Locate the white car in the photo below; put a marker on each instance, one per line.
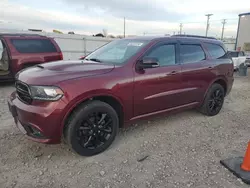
(238, 57)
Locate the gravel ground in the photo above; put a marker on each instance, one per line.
(183, 150)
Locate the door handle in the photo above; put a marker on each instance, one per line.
(172, 73)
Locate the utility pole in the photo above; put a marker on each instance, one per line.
(208, 23)
(181, 26)
(223, 28)
(124, 28)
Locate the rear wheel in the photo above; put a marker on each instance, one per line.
(213, 101)
(92, 128)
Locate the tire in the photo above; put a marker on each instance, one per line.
(93, 122)
(214, 98)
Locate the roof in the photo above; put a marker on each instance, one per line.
(20, 35)
(195, 37)
(146, 38)
(244, 14)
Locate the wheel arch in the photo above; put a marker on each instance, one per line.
(221, 80)
(113, 101)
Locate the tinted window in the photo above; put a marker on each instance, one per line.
(233, 54)
(33, 45)
(215, 50)
(1, 49)
(192, 53)
(241, 54)
(165, 54)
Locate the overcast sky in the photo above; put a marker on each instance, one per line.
(142, 16)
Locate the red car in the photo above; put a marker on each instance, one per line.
(86, 102)
(19, 51)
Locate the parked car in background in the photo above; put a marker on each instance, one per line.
(85, 102)
(238, 57)
(19, 51)
(248, 60)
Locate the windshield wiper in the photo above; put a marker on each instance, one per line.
(94, 59)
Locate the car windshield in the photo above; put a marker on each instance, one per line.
(117, 51)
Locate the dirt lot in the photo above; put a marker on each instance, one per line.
(183, 150)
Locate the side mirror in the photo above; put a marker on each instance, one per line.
(82, 58)
(147, 63)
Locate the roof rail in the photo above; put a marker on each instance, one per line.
(195, 36)
(20, 34)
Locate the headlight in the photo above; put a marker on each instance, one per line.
(47, 93)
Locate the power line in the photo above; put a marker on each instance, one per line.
(223, 28)
(181, 26)
(208, 23)
(124, 28)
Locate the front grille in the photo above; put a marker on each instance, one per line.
(23, 92)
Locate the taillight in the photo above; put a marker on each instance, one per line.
(61, 56)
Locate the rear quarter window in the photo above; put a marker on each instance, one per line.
(216, 51)
(192, 53)
(34, 45)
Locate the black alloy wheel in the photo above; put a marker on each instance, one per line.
(213, 101)
(92, 128)
(95, 130)
(216, 101)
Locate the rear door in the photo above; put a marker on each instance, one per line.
(193, 61)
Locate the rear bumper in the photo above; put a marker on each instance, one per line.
(40, 123)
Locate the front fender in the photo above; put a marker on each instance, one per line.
(85, 97)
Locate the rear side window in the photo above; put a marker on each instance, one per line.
(192, 53)
(241, 54)
(33, 45)
(234, 54)
(216, 51)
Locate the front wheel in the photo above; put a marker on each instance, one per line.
(92, 128)
(213, 101)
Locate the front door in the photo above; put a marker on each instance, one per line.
(156, 89)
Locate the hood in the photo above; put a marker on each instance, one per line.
(55, 72)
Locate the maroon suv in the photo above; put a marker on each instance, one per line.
(85, 102)
(19, 51)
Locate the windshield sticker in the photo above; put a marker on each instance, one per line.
(135, 44)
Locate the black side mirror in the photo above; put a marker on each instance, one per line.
(147, 63)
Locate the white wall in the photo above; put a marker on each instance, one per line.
(72, 46)
(75, 46)
(229, 46)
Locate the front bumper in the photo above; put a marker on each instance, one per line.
(40, 122)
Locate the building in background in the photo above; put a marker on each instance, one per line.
(243, 33)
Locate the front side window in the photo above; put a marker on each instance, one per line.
(117, 51)
(33, 45)
(216, 51)
(191, 53)
(165, 54)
